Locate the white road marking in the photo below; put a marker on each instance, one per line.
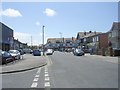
(34, 85)
(47, 84)
(38, 70)
(46, 72)
(35, 79)
(47, 78)
(46, 75)
(36, 76)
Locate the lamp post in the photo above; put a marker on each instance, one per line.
(31, 43)
(43, 40)
(60, 34)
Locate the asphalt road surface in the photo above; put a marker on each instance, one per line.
(64, 70)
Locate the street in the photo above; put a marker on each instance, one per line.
(64, 70)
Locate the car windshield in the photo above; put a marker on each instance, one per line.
(5, 53)
(78, 50)
(36, 50)
(49, 50)
(13, 52)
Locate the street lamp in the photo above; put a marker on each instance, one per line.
(60, 34)
(31, 43)
(43, 40)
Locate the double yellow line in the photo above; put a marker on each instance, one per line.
(49, 61)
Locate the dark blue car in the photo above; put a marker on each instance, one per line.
(37, 52)
(6, 57)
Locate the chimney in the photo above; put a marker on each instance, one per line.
(84, 33)
(90, 31)
(95, 32)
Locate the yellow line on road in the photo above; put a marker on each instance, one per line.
(49, 61)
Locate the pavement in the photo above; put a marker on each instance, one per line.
(106, 58)
(27, 63)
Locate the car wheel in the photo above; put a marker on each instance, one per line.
(6, 62)
(19, 57)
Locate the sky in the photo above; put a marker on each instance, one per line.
(64, 19)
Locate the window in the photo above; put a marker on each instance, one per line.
(110, 35)
(84, 39)
(114, 33)
(97, 38)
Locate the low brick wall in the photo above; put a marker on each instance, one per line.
(100, 52)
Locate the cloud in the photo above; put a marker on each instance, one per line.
(49, 12)
(10, 13)
(26, 38)
(23, 37)
(37, 23)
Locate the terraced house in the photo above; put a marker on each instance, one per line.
(58, 43)
(114, 38)
(94, 40)
(114, 35)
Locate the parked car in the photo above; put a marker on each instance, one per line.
(0, 57)
(36, 52)
(78, 52)
(68, 50)
(15, 54)
(49, 52)
(6, 57)
(21, 51)
(27, 50)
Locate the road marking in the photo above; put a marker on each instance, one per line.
(36, 76)
(46, 72)
(47, 78)
(46, 75)
(50, 61)
(34, 85)
(38, 71)
(35, 79)
(47, 84)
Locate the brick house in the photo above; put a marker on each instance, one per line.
(87, 39)
(95, 40)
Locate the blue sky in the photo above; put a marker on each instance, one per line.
(27, 18)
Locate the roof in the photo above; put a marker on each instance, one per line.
(2, 25)
(115, 26)
(87, 34)
(53, 40)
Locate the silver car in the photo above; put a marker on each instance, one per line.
(49, 52)
(78, 52)
(15, 54)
